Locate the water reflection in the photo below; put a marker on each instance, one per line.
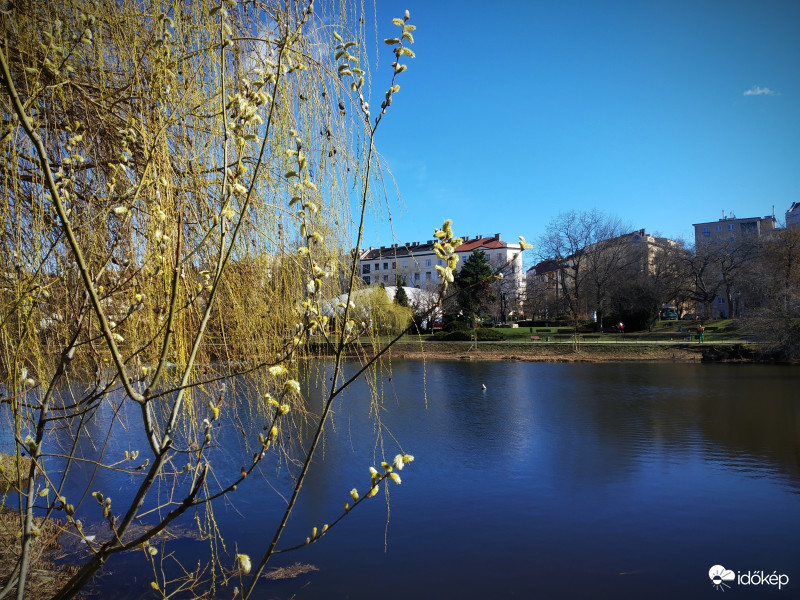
(562, 480)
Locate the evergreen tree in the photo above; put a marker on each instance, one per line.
(400, 296)
(474, 286)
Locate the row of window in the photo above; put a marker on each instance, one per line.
(366, 267)
(707, 230)
(417, 278)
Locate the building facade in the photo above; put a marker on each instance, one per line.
(732, 242)
(552, 282)
(793, 216)
(732, 230)
(415, 263)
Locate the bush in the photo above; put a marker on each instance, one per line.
(455, 325)
(489, 335)
(465, 335)
(539, 323)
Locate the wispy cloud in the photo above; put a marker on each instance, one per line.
(757, 90)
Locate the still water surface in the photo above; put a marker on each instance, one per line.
(574, 481)
(556, 481)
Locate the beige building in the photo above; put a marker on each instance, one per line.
(633, 252)
(731, 230)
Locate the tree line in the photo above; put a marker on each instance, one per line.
(595, 271)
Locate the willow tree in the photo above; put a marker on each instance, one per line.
(176, 178)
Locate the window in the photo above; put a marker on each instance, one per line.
(366, 279)
(428, 262)
(721, 300)
(385, 266)
(440, 262)
(405, 264)
(706, 231)
(377, 266)
(394, 265)
(731, 227)
(386, 278)
(416, 276)
(365, 269)
(427, 276)
(717, 227)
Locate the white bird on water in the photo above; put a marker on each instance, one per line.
(483, 385)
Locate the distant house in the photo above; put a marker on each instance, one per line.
(793, 215)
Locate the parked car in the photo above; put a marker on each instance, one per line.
(691, 317)
(668, 314)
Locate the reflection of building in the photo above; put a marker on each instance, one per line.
(416, 263)
(730, 229)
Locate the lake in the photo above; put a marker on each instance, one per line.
(555, 481)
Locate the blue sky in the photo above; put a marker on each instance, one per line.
(515, 111)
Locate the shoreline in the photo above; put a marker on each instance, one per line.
(583, 352)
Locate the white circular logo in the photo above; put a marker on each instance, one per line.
(719, 575)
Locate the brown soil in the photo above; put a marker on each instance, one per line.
(12, 474)
(533, 352)
(44, 578)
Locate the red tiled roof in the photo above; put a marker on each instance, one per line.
(486, 242)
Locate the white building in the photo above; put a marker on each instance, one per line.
(415, 262)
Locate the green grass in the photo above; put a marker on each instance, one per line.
(716, 330)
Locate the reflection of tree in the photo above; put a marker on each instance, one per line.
(617, 418)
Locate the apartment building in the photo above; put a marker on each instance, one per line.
(729, 229)
(630, 253)
(415, 262)
(729, 236)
